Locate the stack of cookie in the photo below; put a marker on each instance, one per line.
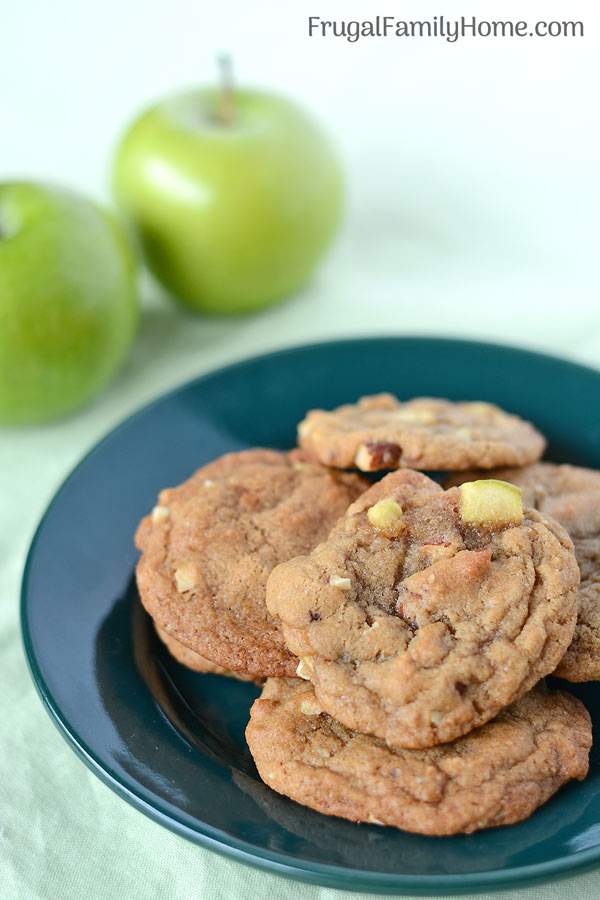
(404, 630)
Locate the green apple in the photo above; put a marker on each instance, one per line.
(234, 203)
(68, 302)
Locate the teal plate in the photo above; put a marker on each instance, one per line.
(171, 742)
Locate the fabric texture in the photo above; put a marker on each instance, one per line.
(63, 834)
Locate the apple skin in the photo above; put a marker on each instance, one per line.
(68, 301)
(230, 217)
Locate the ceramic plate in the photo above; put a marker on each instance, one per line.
(171, 742)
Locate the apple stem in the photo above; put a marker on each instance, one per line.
(226, 105)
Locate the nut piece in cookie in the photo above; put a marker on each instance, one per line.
(497, 775)
(380, 432)
(376, 455)
(490, 503)
(571, 495)
(209, 545)
(443, 624)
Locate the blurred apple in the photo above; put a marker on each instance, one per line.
(68, 303)
(235, 195)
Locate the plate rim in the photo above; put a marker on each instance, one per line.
(325, 874)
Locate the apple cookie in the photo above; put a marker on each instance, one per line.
(210, 544)
(195, 661)
(425, 612)
(380, 432)
(497, 775)
(570, 495)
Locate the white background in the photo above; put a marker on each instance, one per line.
(472, 167)
(474, 198)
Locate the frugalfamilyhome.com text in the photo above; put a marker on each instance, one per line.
(451, 30)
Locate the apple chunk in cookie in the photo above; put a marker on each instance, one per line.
(571, 495)
(444, 622)
(380, 432)
(490, 503)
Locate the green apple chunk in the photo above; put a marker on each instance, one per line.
(386, 516)
(232, 214)
(491, 503)
(68, 301)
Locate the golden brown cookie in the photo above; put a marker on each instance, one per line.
(571, 495)
(210, 544)
(496, 775)
(418, 627)
(380, 432)
(193, 660)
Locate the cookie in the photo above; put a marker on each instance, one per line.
(418, 626)
(380, 432)
(363, 846)
(570, 495)
(210, 544)
(194, 661)
(496, 775)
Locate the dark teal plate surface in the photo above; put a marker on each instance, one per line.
(170, 741)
